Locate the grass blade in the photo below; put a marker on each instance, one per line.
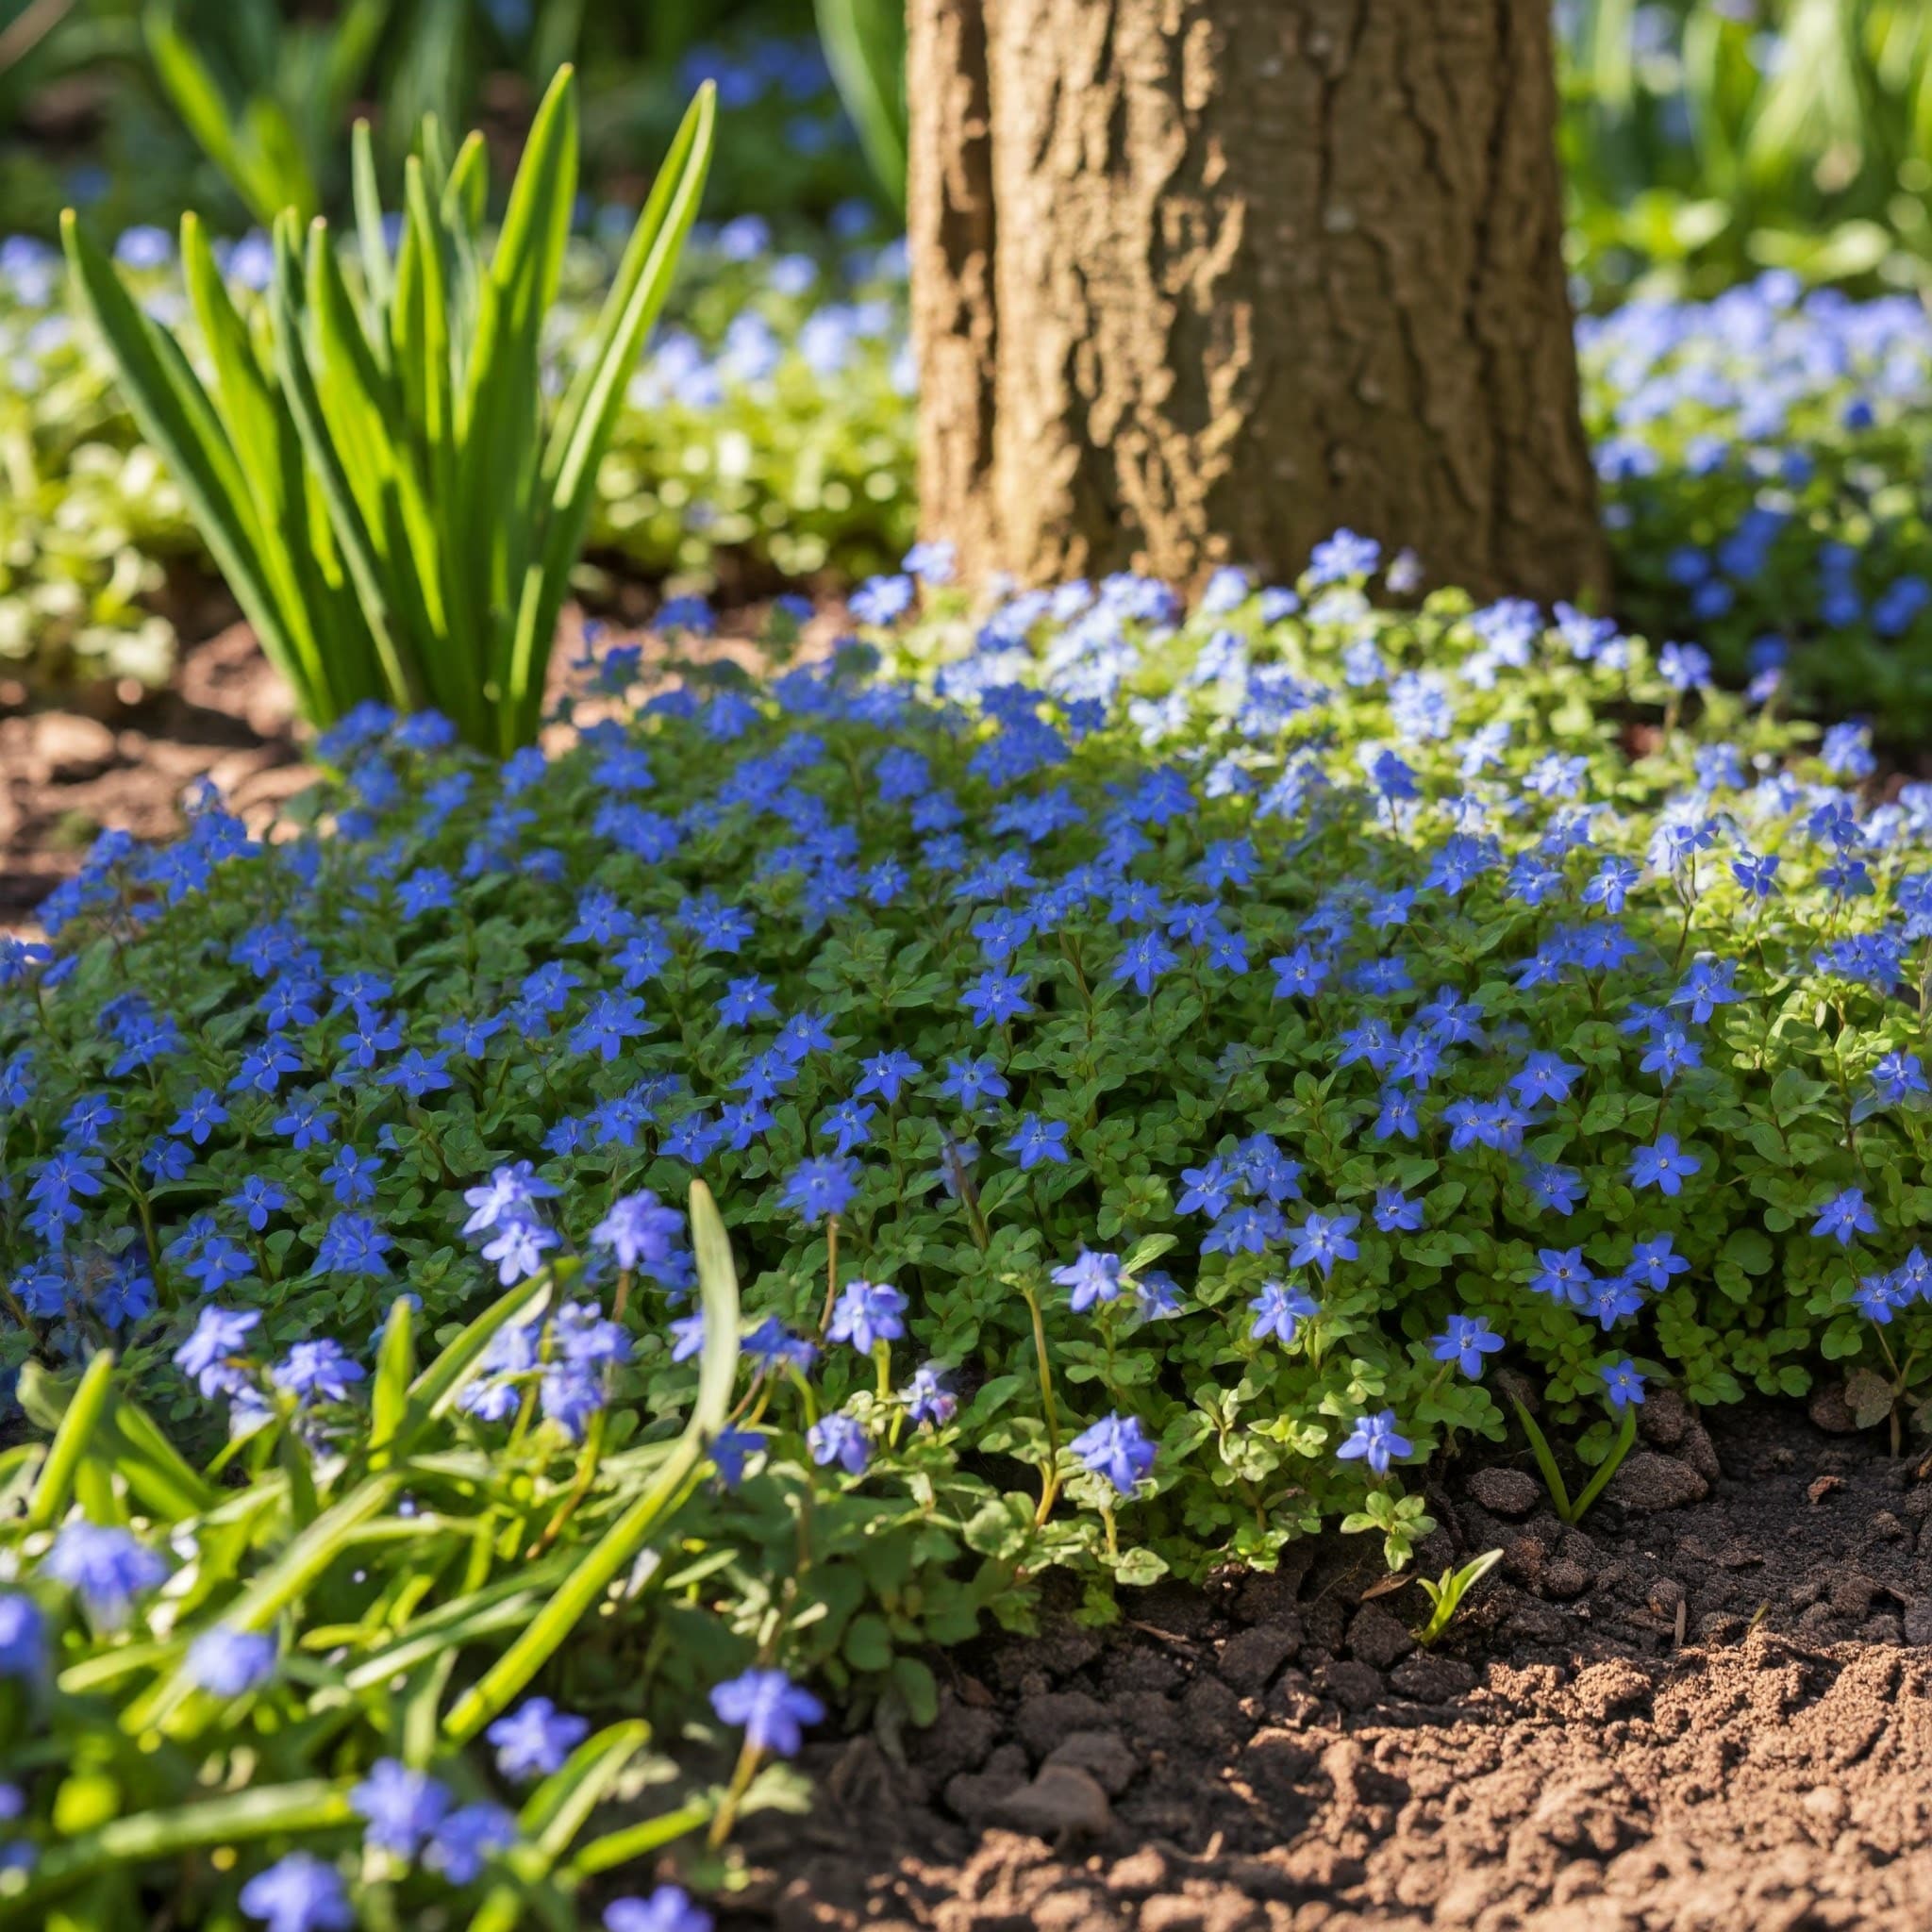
(396, 1367)
(583, 428)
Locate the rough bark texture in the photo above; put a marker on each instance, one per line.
(949, 208)
(1258, 269)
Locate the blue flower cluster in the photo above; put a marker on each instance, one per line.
(1346, 956)
(1758, 455)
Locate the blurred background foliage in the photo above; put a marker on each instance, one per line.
(1704, 141)
(1750, 189)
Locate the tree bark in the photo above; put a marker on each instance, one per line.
(1199, 281)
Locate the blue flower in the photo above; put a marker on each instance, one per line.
(461, 1844)
(1653, 1261)
(1090, 1277)
(770, 1708)
(201, 1117)
(205, 1357)
(645, 1235)
(972, 1081)
(1844, 1218)
(1035, 1140)
(352, 1175)
(299, 1893)
(1341, 556)
(105, 1568)
(1143, 960)
(23, 1637)
(1396, 1212)
(1465, 1342)
(1323, 1239)
(518, 1245)
(928, 1401)
(535, 1739)
(256, 1200)
(232, 1662)
(315, 1372)
(1623, 1385)
(867, 1313)
(1279, 1310)
(667, 1909)
(839, 1438)
(816, 1189)
(731, 1451)
(996, 997)
(1376, 1442)
(352, 1244)
(400, 1808)
(1116, 1447)
(1897, 1075)
(1662, 1166)
(886, 1075)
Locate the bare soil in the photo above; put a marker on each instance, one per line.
(71, 770)
(1707, 1708)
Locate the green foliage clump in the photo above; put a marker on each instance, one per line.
(1345, 963)
(377, 482)
(1167, 1076)
(1704, 141)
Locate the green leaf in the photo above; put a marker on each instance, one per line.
(267, 1811)
(365, 562)
(395, 1366)
(582, 431)
(176, 418)
(72, 1443)
(864, 41)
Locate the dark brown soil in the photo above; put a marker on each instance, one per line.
(1708, 1708)
(70, 771)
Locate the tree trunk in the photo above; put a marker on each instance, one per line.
(1199, 281)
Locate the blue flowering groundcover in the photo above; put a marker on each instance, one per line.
(1164, 1073)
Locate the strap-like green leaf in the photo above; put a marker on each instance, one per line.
(269, 453)
(437, 1388)
(582, 432)
(351, 531)
(864, 41)
(72, 1441)
(177, 421)
(267, 1811)
(395, 1368)
(555, 1812)
(378, 276)
(272, 1591)
(499, 424)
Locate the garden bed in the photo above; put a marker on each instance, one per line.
(68, 771)
(1712, 1714)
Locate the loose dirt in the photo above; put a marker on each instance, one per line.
(1707, 1708)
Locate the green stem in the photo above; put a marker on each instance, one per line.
(1050, 1482)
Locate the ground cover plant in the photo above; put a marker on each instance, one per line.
(1167, 1075)
(1705, 140)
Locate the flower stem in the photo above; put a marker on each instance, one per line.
(1050, 1482)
